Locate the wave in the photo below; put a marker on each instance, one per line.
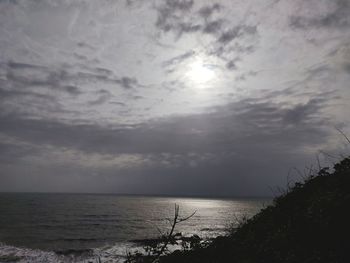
(112, 254)
(23, 255)
(78, 239)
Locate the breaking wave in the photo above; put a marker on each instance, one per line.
(111, 254)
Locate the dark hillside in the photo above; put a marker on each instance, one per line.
(309, 223)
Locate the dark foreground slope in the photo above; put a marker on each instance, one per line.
(309, 223)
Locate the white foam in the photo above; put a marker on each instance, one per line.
(27, 255)
(113, 254)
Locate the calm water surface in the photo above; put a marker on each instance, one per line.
(58, 222)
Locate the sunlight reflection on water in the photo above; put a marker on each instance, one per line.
(68, 221)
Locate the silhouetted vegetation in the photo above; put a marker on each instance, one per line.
(309, 222)
(156, 248)
(9, 258)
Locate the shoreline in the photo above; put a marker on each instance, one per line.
(115, 253)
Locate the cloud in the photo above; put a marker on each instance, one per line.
(347, 67)
(177, 16)
(236, 32)
(302, 113)
(11, 149)
(73, 90)
(212, 27)
(128, 83)
(178, 59)
(200, 133)
(16, 65)
(229, 40)
(207, 11)
(340, 56)
(74, 103)
(336, 17)
(104, 96)
(21, 78)
(41, 91)
(22, 75)
(219, 145)
(171, 17)
(122, 104)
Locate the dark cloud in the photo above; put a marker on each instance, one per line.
(15, 65)
(229, 35)
(213, 27)
(227, 44)
(182, 5)
(337, 17)
(215, 146)
(347, 67)
(200, 133)
(21, 75)
(232, 64)
(104, 96)
(73, 90)
(207, 11)
(104, 71)
(36, 89)
(128, 83)
(85, 45)
(10, 152)
(171, 17)
(26, 101)
(178, 59)
(179, 18)
(105, 76)
(236, 32)
(303, 112)
(122, 104)
(13, 93)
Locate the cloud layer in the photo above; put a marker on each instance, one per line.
(100, 96)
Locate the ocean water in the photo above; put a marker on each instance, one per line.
(81, 227)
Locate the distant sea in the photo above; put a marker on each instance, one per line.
(80, 227)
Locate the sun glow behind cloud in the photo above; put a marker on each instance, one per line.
(106, 83)
(200, 73)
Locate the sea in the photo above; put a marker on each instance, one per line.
(38, 227)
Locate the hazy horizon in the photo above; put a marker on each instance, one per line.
(213, 197)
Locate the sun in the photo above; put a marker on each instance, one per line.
(199, 72)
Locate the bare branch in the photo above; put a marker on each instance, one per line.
(186, 218)
(343, 134)
(318, 161)
(160, 248)
(169, 237)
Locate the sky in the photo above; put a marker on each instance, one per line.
(175, 97)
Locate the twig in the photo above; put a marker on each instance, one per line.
(176, 221)
(344, 135)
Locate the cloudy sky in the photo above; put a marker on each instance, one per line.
(171, 96)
